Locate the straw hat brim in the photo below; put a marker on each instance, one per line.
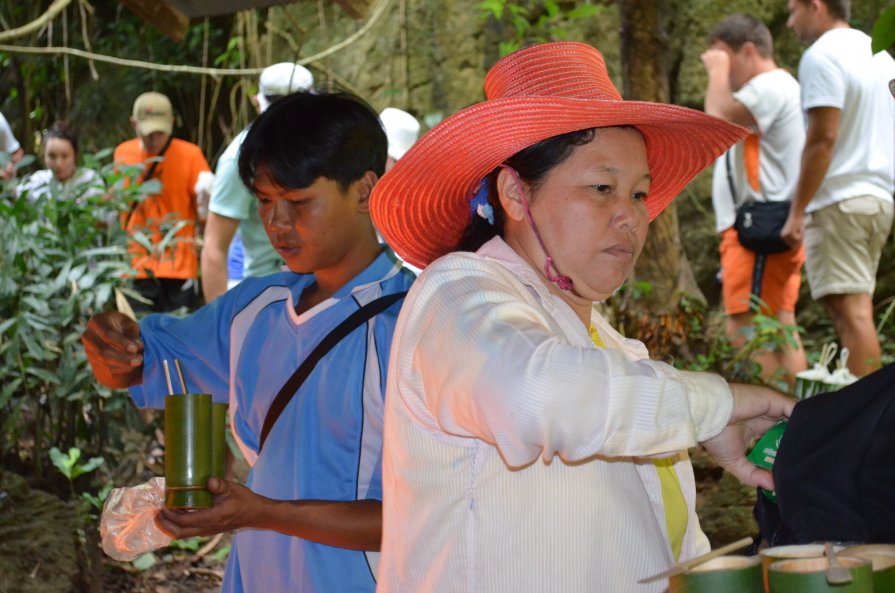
(421, 206)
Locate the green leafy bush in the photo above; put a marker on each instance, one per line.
(61, 261)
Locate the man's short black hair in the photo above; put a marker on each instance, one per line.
(304, 136)
(738, 29)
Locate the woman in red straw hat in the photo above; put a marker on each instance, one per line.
(528, 445)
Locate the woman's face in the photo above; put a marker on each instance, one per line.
(59, 156)
(591, 213)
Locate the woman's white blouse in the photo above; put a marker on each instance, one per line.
(512, 443)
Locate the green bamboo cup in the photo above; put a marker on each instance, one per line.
(808, 575)
(218, 440)
(771, 555)
(882, 559)
(188, 457)
(727, 574)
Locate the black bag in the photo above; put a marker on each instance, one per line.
(834, 471)
(758, 224)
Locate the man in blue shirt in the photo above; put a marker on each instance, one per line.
(310, 517)
(233, 227)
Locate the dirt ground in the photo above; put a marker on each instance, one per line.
(177, 571)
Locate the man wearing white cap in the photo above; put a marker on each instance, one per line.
(232, 207)
(167, 278)
(402, 130)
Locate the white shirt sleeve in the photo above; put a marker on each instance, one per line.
(822, 82)
(8, 142)
(763, 103)
(494, 365)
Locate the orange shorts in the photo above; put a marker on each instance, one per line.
(780, 281)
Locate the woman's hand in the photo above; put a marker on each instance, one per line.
(755, 410)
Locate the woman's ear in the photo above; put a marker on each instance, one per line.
(510, 199)
(364, 187)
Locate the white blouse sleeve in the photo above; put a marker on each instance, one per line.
(484, 359)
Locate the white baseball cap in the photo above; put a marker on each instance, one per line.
(401, 129)
(282, 79)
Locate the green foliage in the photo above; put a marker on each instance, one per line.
(885, 327)
(36, 90)
(97, 501)
(190, 544)
(883, 34)
(61, 261)
(765, 333)
(68, 465)
(535, 21)
(145, 562)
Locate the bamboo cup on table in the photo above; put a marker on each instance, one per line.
(727, 574)
(882, 560)
(809, 575)
(773, 554)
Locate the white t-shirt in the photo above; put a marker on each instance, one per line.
(83, 184)
(8, 142)
(839, 70)
(773, 100)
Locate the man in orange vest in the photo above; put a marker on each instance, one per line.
(166, 271)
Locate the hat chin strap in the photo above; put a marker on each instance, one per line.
(550, 269)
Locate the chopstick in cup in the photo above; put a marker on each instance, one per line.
(168, 377)
(688, 564)
(180, 374)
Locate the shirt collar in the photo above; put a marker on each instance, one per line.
(383, 267)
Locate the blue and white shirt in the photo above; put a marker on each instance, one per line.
(327, 444)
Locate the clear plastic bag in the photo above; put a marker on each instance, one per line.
(127, 526)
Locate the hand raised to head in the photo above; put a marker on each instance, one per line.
(715, 61)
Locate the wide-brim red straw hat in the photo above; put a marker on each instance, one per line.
(422, 206)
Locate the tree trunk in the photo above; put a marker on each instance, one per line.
(663, 263)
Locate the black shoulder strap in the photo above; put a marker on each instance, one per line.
(147, 175)
(290, 388)
(727, 164)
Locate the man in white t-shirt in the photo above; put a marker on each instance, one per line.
(10, 150)
(843, 204)
(232, 206)
(746, 87)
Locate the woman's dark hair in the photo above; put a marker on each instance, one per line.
(61, 130)
(533, 164)
(303, 136)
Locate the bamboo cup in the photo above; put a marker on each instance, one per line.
(808, 575)
(882, 560)
(218, 440)
(188, 450)
(727, 574)
(771, 555)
